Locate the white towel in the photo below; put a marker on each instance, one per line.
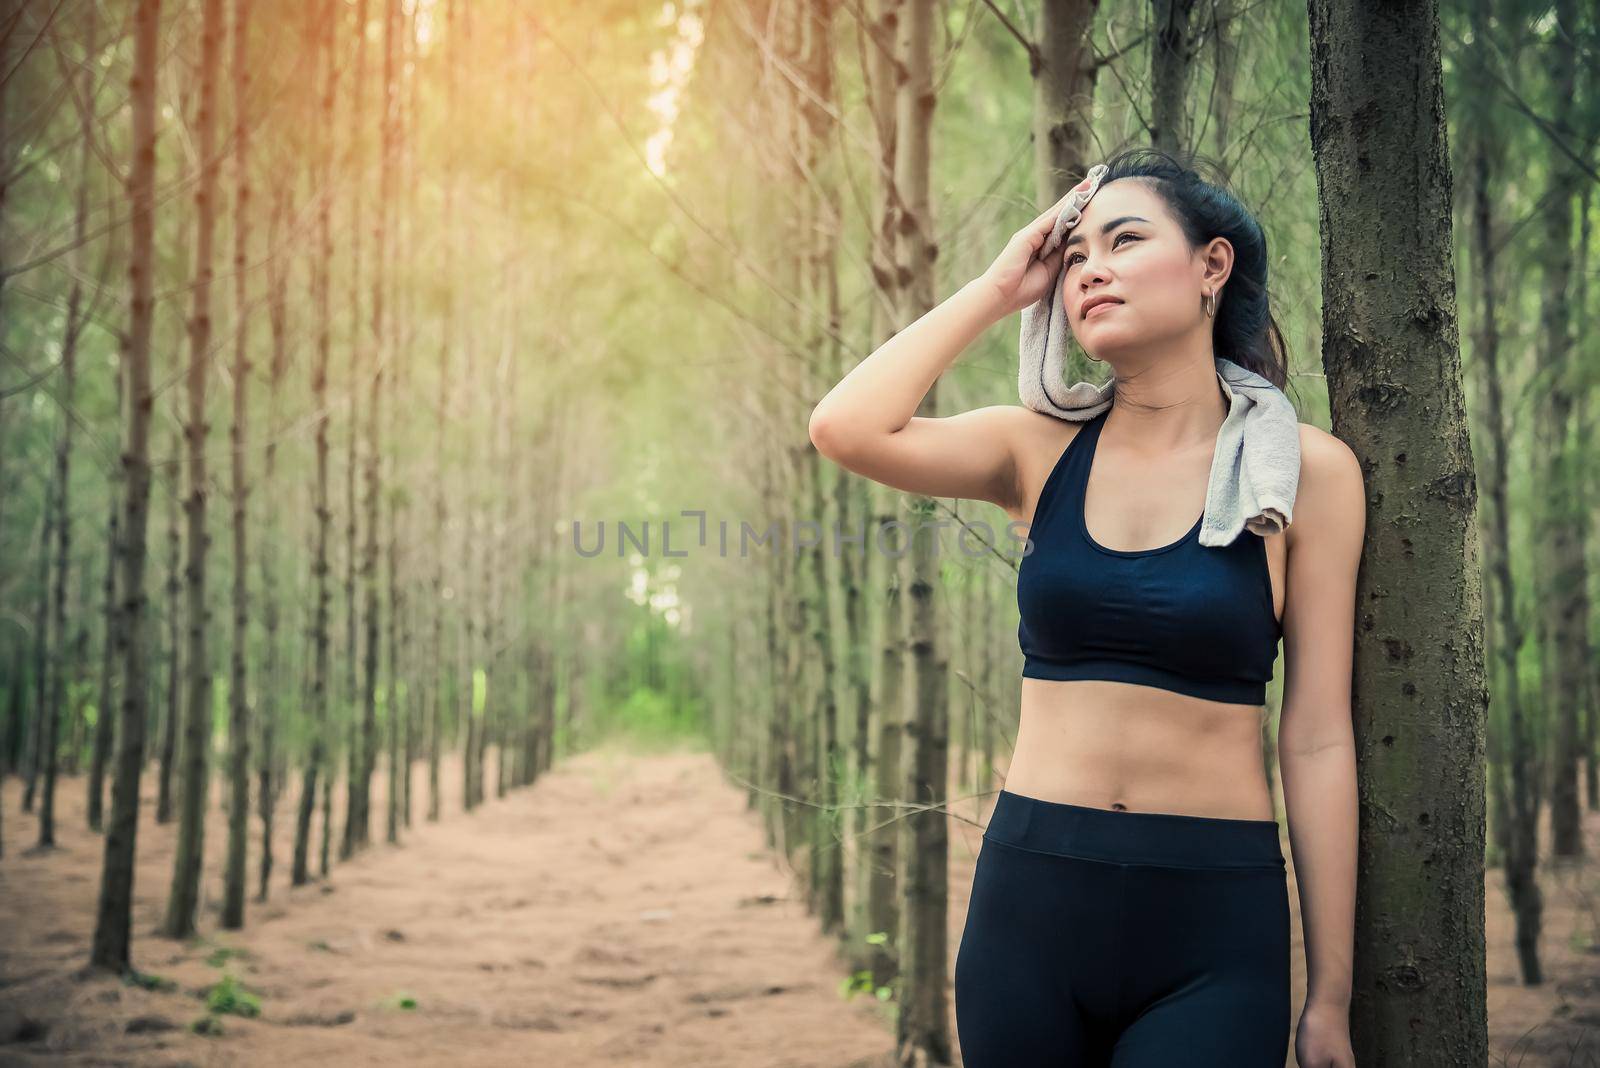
(1256, 468)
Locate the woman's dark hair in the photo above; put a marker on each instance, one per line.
(1245, 331)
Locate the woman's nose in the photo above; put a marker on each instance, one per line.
(1090, 273)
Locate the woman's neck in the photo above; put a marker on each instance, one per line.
(1169, 406)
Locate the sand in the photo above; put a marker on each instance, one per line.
(623, 910)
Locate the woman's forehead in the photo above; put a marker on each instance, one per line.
(1123, 197)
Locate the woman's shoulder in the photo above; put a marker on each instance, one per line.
(1324, 456)
(1331, 491)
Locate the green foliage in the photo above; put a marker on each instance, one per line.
(223, 954)
(653, 720)
(857, 982)
(401, 1000)
(149, 981)
(229, 995)
(860, 981)
(208, 1025)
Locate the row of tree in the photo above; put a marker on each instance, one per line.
(373, 403)
(880, 662)
(468, 240)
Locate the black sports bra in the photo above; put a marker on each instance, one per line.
(1191, 618)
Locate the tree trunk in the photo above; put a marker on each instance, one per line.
(411, 132)
(13, 709)
(395, 703)
(923, 1021)
(883, 903)
(234, 871)
(1566, 599)
(174, 603)
(317, 762)
(879, 763)
(111, 651)
(1064, 71)
(69, 377)
(1225, 37)
(358, 118)
(1172, 53)
(489, 588)
(447, 333)
(1580, 305)
(364, 742)
(1418, 990)
(113, 918)
(1518, 816)
(267, 784)
(184, 900)
(62, 526)
(43, 706)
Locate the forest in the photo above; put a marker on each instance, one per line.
(428, 632)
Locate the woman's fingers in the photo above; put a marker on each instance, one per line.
(1033, 236)
(1047, 221)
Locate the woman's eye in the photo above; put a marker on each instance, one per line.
(1119, 237)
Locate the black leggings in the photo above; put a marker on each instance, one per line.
(1124, 939)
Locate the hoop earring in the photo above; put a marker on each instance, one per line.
(1210, 304)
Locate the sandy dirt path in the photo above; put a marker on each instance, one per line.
(622, 911)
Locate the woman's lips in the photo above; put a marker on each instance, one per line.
(1100, 307)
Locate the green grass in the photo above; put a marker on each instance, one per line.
(223, 954)
(229, 995)
(649, 721)
(402, 1000)
(149, 981)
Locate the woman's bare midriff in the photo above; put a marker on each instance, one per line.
(1115, 745)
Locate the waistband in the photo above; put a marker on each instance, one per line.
(1168, 839)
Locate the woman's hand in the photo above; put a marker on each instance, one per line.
(1016, 275)
(1323, 1038)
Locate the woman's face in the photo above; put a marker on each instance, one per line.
(1128, 247)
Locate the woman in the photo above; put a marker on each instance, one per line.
(1130, 904)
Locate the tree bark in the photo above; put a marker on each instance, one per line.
(62, 526)
(1393, 370)
(1172, 53)
(69, 375)
(317, 762)
(267, 784)
(923, 1032)
(1517, 815)
(43, 706)
(1566, 597)
(234, 869)
(174, 603)
(1064, 71)
(184, 899)
(353, 773)
(113, 918)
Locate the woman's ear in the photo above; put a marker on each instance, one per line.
(1218, 261)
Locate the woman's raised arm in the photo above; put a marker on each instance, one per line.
(868, 422)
